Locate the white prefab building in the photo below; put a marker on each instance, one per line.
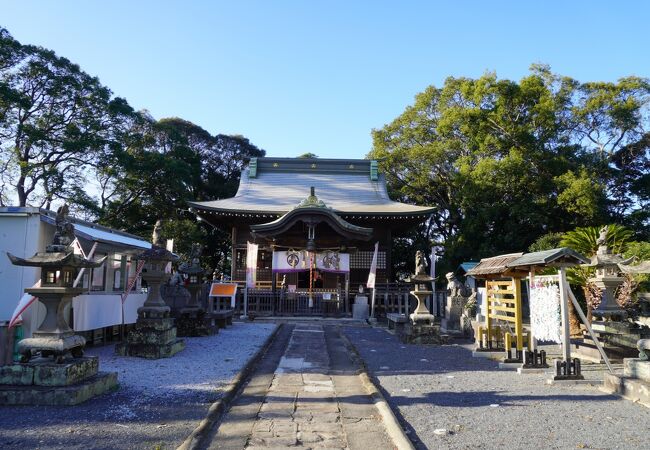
(26, 230)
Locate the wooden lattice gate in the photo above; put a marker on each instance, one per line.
(504, 304)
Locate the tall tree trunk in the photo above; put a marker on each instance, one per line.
(20, 189)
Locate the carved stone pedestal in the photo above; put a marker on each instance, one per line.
(44, 382)
(422, 333)
(153, 337)
(195, 322)
(191, 318)
(453, 323)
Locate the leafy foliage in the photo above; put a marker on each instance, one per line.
(546, 242)
(505, 162)
(63, 136)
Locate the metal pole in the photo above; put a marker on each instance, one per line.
(372, 303)
(564, 309)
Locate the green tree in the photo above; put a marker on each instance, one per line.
(159, 166)
(54, 119)
(546, 242)
(504, 162)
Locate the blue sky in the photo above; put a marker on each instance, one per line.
(316, 76)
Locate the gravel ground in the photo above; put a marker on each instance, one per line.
(158, 404)
(450, 400)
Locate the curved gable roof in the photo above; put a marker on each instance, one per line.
(279, 184)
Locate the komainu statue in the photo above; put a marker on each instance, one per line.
(455, 288)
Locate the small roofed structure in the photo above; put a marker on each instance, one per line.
(560, 258)
(462, 270)
(504, 297)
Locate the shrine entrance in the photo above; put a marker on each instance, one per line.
(310, 263)
(325, 216)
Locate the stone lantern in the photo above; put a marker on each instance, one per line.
(154, 334)
(59, 267)
(194, 320)
(53, 370)
(422, 328)
(607, 278)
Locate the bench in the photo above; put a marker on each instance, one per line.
(396, 320)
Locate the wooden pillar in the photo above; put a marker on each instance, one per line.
(531, 280)
(564, 310)
(489, 299)
(233, 256)
(519, 329)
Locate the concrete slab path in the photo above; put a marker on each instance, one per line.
(305, 393)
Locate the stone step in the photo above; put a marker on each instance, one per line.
(637, 368)
(629, 388)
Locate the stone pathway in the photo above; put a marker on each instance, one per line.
(314, 399)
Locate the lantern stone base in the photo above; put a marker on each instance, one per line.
(634, 384)
(152, 338)
(421, 333)
(618, 339)
(195, 322)
(59, 345)
(44, 382)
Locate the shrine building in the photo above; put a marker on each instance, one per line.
(316, 222)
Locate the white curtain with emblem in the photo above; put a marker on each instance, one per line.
(298, 261)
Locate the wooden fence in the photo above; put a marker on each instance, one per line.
(389, 298)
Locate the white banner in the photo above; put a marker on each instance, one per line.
(545, 320)
(93, 311)
(170, 248)
(251, 264)
(373, 269)
(434, 258)
(298, 261)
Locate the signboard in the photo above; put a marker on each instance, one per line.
(224, 290)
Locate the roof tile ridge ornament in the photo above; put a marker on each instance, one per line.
(312, 201)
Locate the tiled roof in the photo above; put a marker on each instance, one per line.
(344, 185)
(546, 257)
(493, 266)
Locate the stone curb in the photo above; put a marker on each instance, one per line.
(195, 440)
(393, 428)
